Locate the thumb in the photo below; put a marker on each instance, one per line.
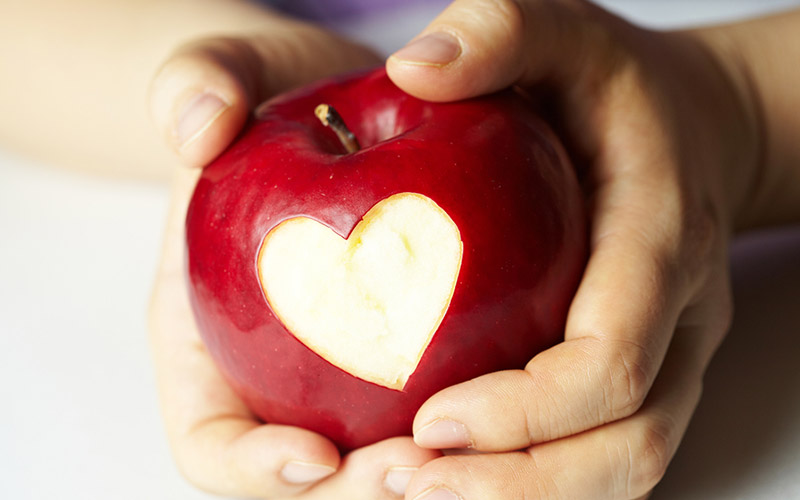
(201, 97)
(479, 46)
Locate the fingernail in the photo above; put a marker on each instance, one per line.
(397, 479)
(443, 433)
(297, 472)
(434, 49)
(196, 116)
(437, 494)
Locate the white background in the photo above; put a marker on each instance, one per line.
(79, 417)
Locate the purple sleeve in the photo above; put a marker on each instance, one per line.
(332, 10)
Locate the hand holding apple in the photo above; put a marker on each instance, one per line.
(668, 140)
(217, 442)
(339, 288)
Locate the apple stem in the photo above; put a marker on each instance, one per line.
(331, 118)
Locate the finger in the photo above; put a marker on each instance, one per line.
(479, 46)
(202, 95)
(621, 460)
(376, 472)
(233, 455)
(217, 443)
(652, 243)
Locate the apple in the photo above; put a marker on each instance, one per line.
(344, 267)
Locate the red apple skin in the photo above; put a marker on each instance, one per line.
(490, 163)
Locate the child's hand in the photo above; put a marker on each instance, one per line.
(665, 135)
(200, 100)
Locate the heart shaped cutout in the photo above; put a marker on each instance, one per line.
(369, 304)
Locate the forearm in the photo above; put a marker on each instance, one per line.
(764, 55)
(76, 74)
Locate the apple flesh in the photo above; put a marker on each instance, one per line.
(338, 290)
(369, 304)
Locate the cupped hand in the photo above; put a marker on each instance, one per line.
(663, 130)
(200, 99)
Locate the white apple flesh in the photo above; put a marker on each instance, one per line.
(370, 303)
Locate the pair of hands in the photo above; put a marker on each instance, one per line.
(664, 130)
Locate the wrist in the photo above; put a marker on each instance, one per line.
(760, 58)
(742, 160)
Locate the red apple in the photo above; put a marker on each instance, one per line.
(338, 290)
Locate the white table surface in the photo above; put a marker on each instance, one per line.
(79, 416)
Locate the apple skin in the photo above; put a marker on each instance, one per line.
(491, 163)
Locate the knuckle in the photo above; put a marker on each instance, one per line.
(649, 453)
(537, 419)
(701, 234)
(629, 378)
(505, 16)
